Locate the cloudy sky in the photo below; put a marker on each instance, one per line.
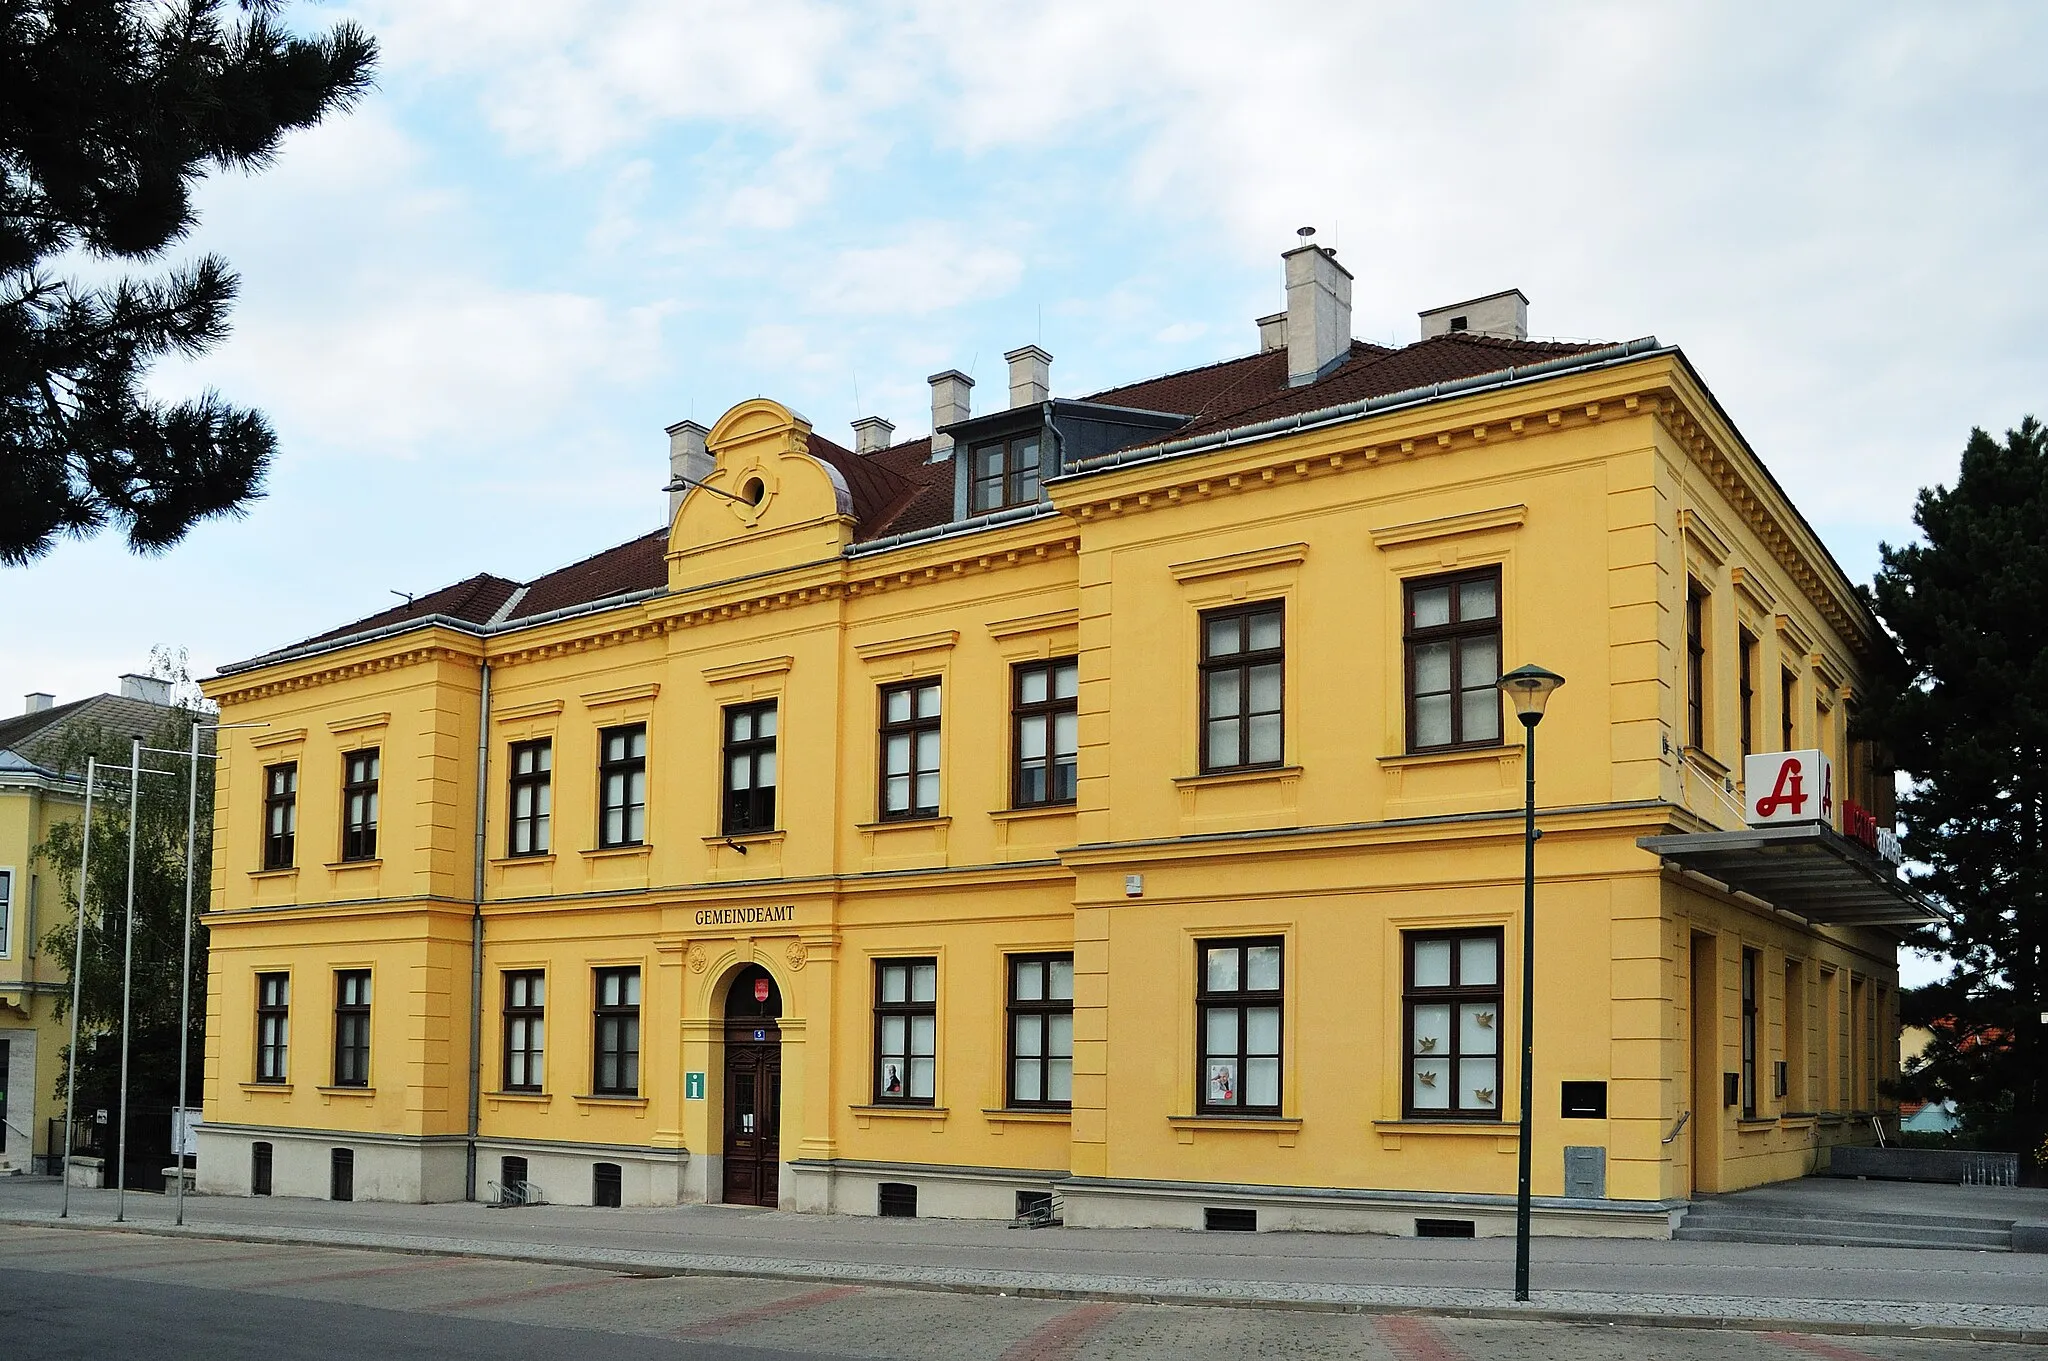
(471, 306)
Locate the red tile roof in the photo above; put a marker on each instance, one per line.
(896, 490)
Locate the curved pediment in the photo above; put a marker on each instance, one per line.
(767, 502)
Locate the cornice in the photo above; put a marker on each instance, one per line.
(420, 654)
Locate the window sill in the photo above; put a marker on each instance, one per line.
(592, 1101)
(362, 1093)
(1258, 775)
(1755, 1124)
(276, 1088)
(1694, 756)
(540, 1099)
(1493, 751)
(281, 872)
(1285, 1129)
(544, 858)
(616, 852)
(745, 838)
(935, 1116)
(903, 824)
(1491, 1128)
(367, 863)
(1036, 810)
(1026, 1115)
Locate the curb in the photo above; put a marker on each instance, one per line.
(837, 1273)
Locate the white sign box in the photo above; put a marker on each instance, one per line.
(1788, 786)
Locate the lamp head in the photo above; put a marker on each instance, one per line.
(1529, 687)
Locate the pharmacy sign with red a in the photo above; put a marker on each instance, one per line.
(1788, 786)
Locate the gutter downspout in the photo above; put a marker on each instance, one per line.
(476, 933)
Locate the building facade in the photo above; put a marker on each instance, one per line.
(1104, 801)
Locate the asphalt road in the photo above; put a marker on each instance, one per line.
(100, 1294)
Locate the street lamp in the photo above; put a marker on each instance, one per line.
(1529, 688)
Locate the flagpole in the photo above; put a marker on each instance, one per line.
(127, 973)
(185, 974)
(77, 971)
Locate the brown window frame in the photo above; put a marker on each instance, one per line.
(360, 771)
(1038, 1015)
(1456, 994)
(751, 809)
(1751, 959)
(525, 1030)
(1049, 767)
(1788, 709)
(619, 779)
(1695, 665)
(615, 1031)
(273, 1026)
(920, 732)
(1243, 662)
(1243, 999)
(1745, 685)
(1459, 632)
(280, 815)
(907, 1009)
(533, 783)
(352, 998)
(1015, 480)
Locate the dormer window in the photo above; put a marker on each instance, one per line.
(1004, 473)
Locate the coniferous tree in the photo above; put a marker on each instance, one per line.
(1966, 715)
(110, 112)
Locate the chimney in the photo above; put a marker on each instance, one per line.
(871, 434)
(39, 703)
(148, 689)
(1318, 314)
(952, 393)
(1272, 333)
(688, 461)
(1497, 314)
(1030, 376)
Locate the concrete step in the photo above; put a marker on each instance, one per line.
(1718, 1216)
(1791, 1235)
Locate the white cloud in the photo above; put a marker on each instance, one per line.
(930, 267)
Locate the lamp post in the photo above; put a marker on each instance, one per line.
(1529, 689)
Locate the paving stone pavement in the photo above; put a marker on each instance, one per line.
(1929, 1295)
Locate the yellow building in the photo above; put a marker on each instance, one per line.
(1105, 799)
(36, 794)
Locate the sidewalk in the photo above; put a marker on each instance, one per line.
(1987, 1296)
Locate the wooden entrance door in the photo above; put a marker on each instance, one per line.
(753, 1089)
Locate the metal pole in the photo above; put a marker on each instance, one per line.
(1529, 722)
(185, 973)
(77, 972)
(127, 969)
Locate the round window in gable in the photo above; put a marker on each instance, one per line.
(752, 490)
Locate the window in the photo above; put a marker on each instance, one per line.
(1749, 1034)
(259, 1169)
(1237, 1002)
(622, 786)
(1241, 687)
(1043, 740)
(910, 750)
(906, 1031)
(352, 1028)
(532, 797)
(1788, 702)
(1453, 1004)
(1796, 1093)
(749, 768)
(525, 1030)
(1004, 473)
(617, 1067)
(6, 911)
(281, 815)
(359, 805)
(1746, 687)
(1452, 634)
(273, 1026)
(1695, 666)
(607, 1185)
(1041, 1030)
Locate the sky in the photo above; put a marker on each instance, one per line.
(471, 305)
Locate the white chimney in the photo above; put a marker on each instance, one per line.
(1030, 376)
(39, 703)
(148, 689)
(1318, 314)
(952, 394)
(871, 434)
(1272, 333)
(688, 462)
(1497, 314)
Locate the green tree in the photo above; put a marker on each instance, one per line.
(154, 1031)
(1966, 715)
(110, 112)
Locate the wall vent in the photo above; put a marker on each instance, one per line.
(1445, 1228)
(1218, 1219)
(896, 1200)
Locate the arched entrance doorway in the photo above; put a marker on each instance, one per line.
(753, 1089)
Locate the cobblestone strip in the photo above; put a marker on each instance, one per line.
(1060, 1338)
(1818, 1346)
(362, 1273)
(741, 1318)
(539, 1292)
(1416, 1339)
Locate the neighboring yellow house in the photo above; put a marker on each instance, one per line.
(35, 796)
(1104, 799)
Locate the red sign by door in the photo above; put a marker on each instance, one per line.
(760, 990)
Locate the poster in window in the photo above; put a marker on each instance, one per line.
(1222, 1083)
(892, 1080)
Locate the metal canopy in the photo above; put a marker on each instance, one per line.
(1808, 869)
